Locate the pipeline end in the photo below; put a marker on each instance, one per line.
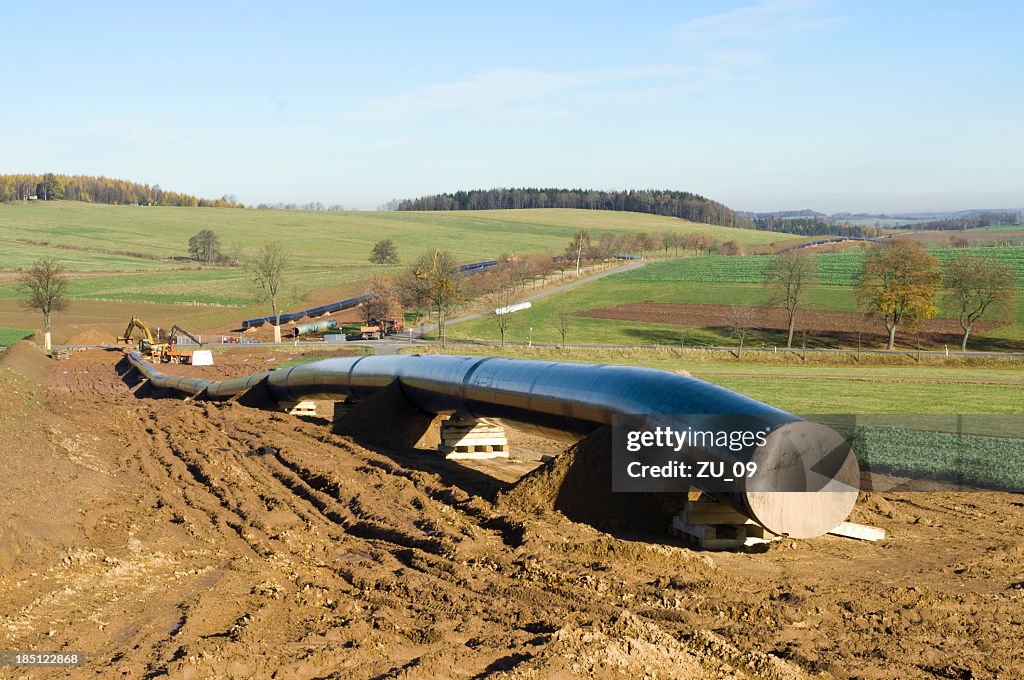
(807, 483)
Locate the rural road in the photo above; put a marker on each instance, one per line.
(561, 288)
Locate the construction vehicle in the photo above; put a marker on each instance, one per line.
(370, 331)
(147, 344)
(171, 354)
(374, 329)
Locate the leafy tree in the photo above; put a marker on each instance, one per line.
(51, 188)
(268, 274)
(899, 281)
(45, 287)
(384, 252)
(976, 286)
(205, 247)
(787, 277)
(433, 280)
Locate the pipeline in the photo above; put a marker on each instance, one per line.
(570, 401)
(468, 268)
(313, 327)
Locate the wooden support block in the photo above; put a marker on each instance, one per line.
(298, 408)
(861, 532)
(473, 440)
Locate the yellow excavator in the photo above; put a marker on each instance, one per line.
(147, 344)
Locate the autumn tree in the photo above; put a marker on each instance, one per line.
(787, 277)
(205, 247)
(899, 282)
(45, 287)
(976, 286)
(268, 276)
(730, 248)
(384, 252)
(381, 300)
(433, 280)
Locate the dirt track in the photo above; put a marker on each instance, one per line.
(201, 540)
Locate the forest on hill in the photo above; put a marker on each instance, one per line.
(90, 189)
(681, 204)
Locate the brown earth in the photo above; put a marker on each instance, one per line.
(203, 540)
(826, 327)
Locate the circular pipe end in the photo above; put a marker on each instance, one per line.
(807, 480)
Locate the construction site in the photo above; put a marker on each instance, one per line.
(169, 519)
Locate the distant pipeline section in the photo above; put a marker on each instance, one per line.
(570, 401)
(289, 317)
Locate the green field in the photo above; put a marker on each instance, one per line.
(336, 238)
(9, 336)
(834, 269)
(705, 280)
(329, 250)
(825, 389)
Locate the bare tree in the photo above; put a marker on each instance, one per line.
(562, 323)
(45, 287)
(499, 301)
(267, 274)
(787, 277)
(976, 286)
(579, 245)
(741, 318)
(433, 280)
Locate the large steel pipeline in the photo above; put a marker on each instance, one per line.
(571, 400)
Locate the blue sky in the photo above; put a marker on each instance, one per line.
(779, 104)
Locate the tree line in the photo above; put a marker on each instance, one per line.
(989, 218)
(682, 204)
(90, 189)
(813, 226)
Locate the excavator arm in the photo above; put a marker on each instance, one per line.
(177, 330)
(136, 322)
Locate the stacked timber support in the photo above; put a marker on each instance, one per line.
(711, 525)
(462, 439)
(298, 408)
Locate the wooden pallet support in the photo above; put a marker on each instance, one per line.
(711, 525)
(298, 408)
(472, 439)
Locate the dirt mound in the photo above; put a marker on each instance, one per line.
(578, 484)
(92, 335)
(197, 539)
(26, 359)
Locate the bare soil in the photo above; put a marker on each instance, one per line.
(205, 540)
(827, 327)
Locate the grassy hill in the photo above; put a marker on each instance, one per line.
(329, 249)
(337, 237)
